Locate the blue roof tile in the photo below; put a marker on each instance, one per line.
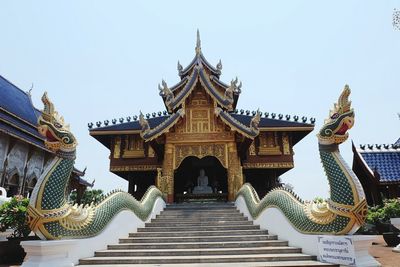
(387, 164)
(17, 102)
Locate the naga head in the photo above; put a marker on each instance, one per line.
(340, 120)
(52, 127)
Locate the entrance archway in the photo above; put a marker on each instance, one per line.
(185, 177)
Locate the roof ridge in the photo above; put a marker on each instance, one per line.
(378, 148)
(129, 119)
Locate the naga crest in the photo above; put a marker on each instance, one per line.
(341, 119)
(52, 127)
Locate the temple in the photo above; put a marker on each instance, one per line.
(201, 129)
(378, 167)
(23, 155)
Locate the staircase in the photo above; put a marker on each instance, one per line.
(201, 234)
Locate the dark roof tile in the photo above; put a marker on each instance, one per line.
(386, 163)
(267, 122)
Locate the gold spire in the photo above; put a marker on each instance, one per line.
(198, 43)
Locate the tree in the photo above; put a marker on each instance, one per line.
(89, 196)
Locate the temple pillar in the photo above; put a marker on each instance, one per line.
(167, 179)
(235, 175)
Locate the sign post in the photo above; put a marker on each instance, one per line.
(337, 249)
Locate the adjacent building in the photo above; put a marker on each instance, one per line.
(378, 168)
(23, 155)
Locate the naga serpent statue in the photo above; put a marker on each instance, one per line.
(345, 211)
(50, 215)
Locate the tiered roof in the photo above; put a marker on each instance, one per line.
(200, 71)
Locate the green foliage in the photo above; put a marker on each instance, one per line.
(318, 200)
(13, 215)
(383, 213)
(89, 196)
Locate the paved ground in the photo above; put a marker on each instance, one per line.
(384, 254)
(380, 251)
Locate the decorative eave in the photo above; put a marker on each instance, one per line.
(226, 100)
(397, 142)
(250, 131)
(149, 134)
(172, 102)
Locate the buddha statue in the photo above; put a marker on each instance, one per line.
(202, 184)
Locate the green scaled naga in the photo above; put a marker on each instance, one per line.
(50, 215)
(345, 211)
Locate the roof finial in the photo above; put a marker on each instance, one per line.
(198, 43)
(30, 90)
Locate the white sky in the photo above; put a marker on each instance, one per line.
(103, 59)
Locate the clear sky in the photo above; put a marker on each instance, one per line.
(100, 60)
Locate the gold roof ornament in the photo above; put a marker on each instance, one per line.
(144, 124)
(198, 43)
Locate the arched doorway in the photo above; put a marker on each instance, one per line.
(13, 185)
(185, 178)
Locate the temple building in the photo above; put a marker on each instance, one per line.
(23, 155)
(378, 168)
(202, 146)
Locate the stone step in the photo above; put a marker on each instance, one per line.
(198, 213)
(199, 228)
(204, 209)
(199, 245)
(191, 224)
(197, 206)
(197, 259)
(195, 215)
(197, 239)
(199, 233)
(196, 252)
(202, 219)
(231, 264)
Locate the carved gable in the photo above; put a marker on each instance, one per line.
(200, 121)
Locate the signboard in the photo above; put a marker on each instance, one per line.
(337, 249)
